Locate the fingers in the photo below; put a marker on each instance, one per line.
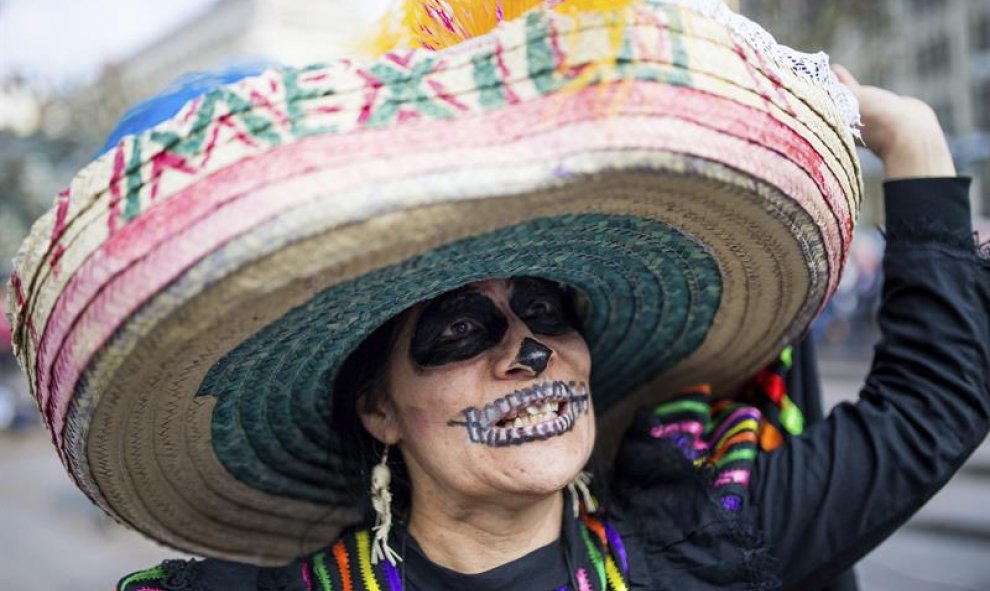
(902, 131)
(845, 76)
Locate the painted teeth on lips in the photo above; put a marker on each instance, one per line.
(535, 413)
(531, 415)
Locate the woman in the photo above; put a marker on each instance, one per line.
(200, 413)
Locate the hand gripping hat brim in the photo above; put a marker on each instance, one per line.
(184, 308)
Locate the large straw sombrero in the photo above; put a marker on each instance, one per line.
(183, 309)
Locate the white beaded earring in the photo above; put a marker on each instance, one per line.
(579, 491)
(381, 502)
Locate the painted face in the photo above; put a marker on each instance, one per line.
(488, 385)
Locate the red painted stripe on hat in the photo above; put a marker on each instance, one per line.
(327, 152)
(208, 191)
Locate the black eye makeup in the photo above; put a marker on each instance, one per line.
(461, 324)
(456, 326)
(543, 305)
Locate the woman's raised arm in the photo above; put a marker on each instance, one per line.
(829, 497)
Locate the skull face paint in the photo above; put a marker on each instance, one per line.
(455, 327)
(534, 355)
(464, 350)
(464, 323)
(539, 412)
(543, 305)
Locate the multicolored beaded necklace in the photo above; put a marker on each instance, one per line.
(346, 565)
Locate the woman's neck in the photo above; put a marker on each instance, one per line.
(474, 538)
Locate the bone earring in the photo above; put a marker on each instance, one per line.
(579, 491)
(381, 502)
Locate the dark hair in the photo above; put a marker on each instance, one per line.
(362, 381)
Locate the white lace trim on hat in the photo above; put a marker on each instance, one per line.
(814, 67)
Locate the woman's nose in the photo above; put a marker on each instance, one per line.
(533, 357)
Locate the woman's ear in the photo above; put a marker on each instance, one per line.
(378, 417)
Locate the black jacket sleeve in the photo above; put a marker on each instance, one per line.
(829, 497)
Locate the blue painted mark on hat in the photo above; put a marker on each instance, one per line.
(163, 106)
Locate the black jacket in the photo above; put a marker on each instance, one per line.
(824, 500)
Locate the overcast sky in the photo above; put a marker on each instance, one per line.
(65, 41)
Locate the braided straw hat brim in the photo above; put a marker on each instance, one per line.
(182, 311)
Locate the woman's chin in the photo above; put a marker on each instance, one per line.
(547, 466)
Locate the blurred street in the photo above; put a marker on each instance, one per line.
(52, 536)
(946, 547)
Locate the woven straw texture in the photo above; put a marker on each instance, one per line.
(183, 309)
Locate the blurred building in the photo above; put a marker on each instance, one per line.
(20, 107)
(227, 32)
(285, 31)
(291, 32)
(936, 50)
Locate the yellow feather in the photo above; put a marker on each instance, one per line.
(438, 24)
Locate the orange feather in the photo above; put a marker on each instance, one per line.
(439, 24)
